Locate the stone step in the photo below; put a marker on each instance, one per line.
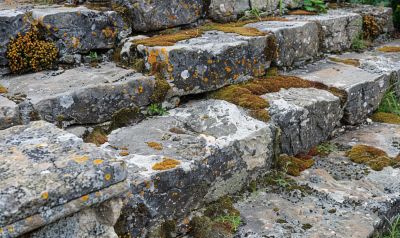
(49, 174)
(81, 95)
(336, 197)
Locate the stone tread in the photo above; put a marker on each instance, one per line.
(48, 173)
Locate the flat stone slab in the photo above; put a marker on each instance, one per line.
(306, 117)
(219, 148)
(338, 28)
(298, 42)
(338, 198)
(78, 29)
(208, 62)
(48, 174)
(364, 90)
(9, 113)
(80, 95)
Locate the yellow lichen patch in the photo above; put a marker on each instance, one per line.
(293, 165)
(109, 33)
(375, 158)
(107, 177)
(354, 62)
(44, 195)
(124, 153)
(167, 163)
(385, 117)
(154, 145)
(389, 49)
(81, 159)
(169, 39)
(302, 12)
(3, 89)
(98, 161)
(85, 198)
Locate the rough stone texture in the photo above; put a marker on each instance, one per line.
(364, 90)
(80, 95)
(382, 15)
(338, 29)
(94, 222)
(227, 10)
(9, 113)
(80, 30)
(297, 41)
(339, 198)
(11, 23)
(156, 15)
(220, 150)
(208, 62)
(48, 174)
(306, 117)
(273, 6)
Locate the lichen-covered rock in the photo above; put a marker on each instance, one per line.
(12, 22)
(194, 155)
(208, 62)
(227, 10)
(274, 6)
(338, 29)
(80, 30)
(364, 90)
(9, 113)
(48, 174)
(160, 14)
(81, 95)
(306, 117)
(297, 42)
(382, 16)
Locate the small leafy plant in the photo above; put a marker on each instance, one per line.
(233, 220)
(317, 6)
(325, 149)
(93, 55)
(390, 103)
(156, 109)
(358, 43)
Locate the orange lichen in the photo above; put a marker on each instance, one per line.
(98, 161)
(85, 198)
(375, 158)
(354, 62)
(124, 153)
(3, 89)
(167, 163)
(385, 117)
(154, 145)
(109, 33)
(293, 165)
(389, 49)
(302, 12)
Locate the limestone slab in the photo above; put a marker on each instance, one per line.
(9, 113)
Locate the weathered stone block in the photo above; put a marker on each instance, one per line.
(364, 90)
(208, 62)
(12, 22)
(218, 148)
(383, 16)
(227, 10)
(48, 174)
(306, 117)
(9, 113)
(297, 41)
(80, 95)
(160, 14)
(338, 28)
(80, 30)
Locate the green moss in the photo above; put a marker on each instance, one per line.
(124, 117)
(306, 226)
(241, 96)
(168, 229)
(138, 65)
(389, 49)
(98, 136)
(200, 227)
(222, 207)
(353, 62)
(385, 117)
(281, 221)
(161, 88)
(294, 166)
(375, 158)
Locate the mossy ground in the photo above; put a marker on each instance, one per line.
(293, 165)
(302, 12)
(385, 117)
(353, 62)
(375, 158)
(389, 49)
(3, 89)
(371, 28)
(98, 136)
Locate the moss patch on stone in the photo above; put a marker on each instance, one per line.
(3, 89)
(302, 13)
(124, 117)
(353, 62)
(293, 165)
(161, 88)
(167, 163)
(389, 49)
(169, 39)
(235, 27)
(375, 158)
(98, 136)
(241, 96)
(371, 28)
(385, 117)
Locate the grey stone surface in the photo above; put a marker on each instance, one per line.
(364, 90)
(9, 113)
(78, 29)
(208, 62)
(306, 117)
(12, 22)
(297, 41)
(227, 10)
(48, 174)
(156, 15)
(220, 150)
(338, 28)
(273, 6)
(80, 95)
(338, 197)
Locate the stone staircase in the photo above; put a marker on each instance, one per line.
(154, 176)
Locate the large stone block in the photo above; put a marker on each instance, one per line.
(12, 22)
(9, 113)
(227, 10)
(219, 150)
(208, 62)
(364, 90)
(383, 17)
(338, 29)
(160, 14)
(80, 30)
(306, 117)
(297, 42)
(48, 174)
(81, 95)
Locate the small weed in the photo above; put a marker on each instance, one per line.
(256, 13)
(232, 220)
(358, 43)
(394, 230)
(390, 103)
(156, 109)
(93, 55)
(318, 6)
(325, 149)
